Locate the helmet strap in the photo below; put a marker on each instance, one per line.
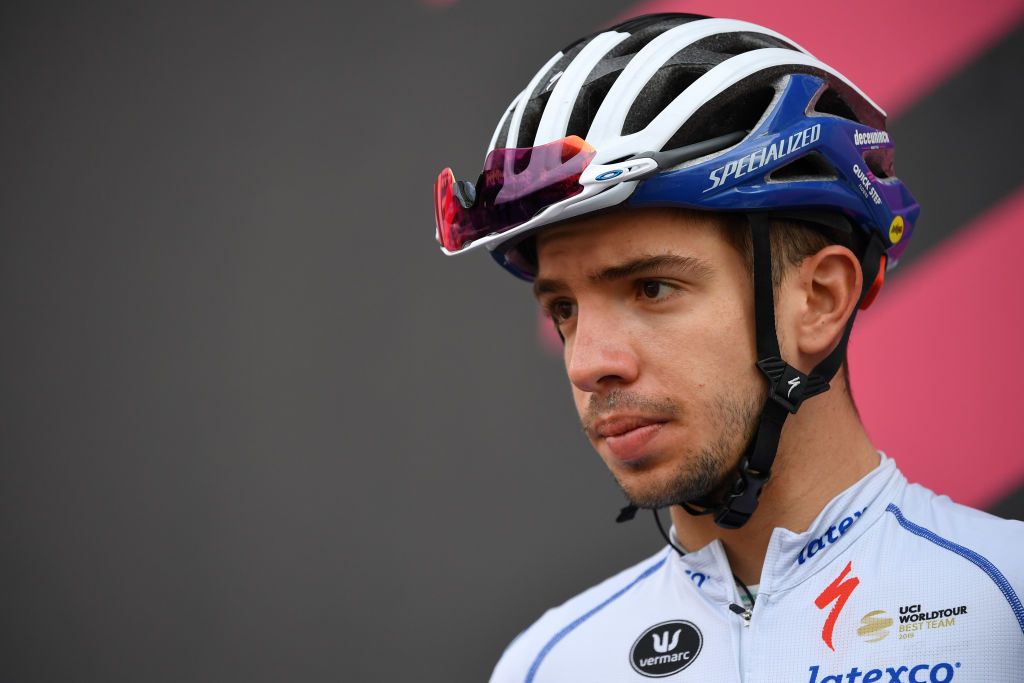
(788, 387)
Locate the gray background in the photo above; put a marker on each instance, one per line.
(253, 425)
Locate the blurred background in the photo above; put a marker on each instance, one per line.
(254, 426)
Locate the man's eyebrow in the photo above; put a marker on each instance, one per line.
(548, 286)
(691, 265)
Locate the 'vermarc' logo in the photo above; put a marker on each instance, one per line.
(666, 648)
(662, 644)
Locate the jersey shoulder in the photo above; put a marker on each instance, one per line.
(529, 646)
(991, 542)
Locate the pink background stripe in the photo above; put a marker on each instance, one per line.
(937, 368)
(895, 51)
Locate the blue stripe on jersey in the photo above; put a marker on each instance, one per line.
(579, 620)
(982, 563)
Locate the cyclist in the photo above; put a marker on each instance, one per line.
(702, 207)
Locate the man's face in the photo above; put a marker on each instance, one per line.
(656, 309)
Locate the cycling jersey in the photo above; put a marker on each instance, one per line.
(890, 584)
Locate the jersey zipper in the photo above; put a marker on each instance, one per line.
(744, 616)
(742, 612)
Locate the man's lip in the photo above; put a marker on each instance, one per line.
(618, 425)
(634, 444)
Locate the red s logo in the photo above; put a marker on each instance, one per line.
(838, 591)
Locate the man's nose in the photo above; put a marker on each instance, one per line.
(601, 355)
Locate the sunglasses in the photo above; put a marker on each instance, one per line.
(517, 184)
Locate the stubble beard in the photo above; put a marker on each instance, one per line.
(703, 472)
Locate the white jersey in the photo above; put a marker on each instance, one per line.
(890, 584)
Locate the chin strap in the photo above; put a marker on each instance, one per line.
(788, 388)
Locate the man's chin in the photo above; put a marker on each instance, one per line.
(648, 492)
(648, 486)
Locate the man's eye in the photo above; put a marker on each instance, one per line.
(562, 310)
(655, 289)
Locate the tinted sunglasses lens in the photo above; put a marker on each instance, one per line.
(515, 185)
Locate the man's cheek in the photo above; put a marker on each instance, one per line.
(580, 398)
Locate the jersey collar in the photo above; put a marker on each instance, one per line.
(794, 557)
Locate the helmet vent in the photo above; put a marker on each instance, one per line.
(599, 81)
(811, 166)
(738, 108)
(587, 103)
(658, 93)
(644, 32)
(738, 42)
(638, 26)
(830, 102)
(502, 136)
(685, 67)
(531, 119)
(538, 99)
(880, 162)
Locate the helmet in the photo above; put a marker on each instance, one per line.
(679, 110)
(701, 113)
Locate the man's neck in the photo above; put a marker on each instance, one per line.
(824, 450)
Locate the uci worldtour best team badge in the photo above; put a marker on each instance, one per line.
(666, 648)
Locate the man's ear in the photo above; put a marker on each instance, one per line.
(828, 286)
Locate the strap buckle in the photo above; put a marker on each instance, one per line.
(741, 501)
(788, 386)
